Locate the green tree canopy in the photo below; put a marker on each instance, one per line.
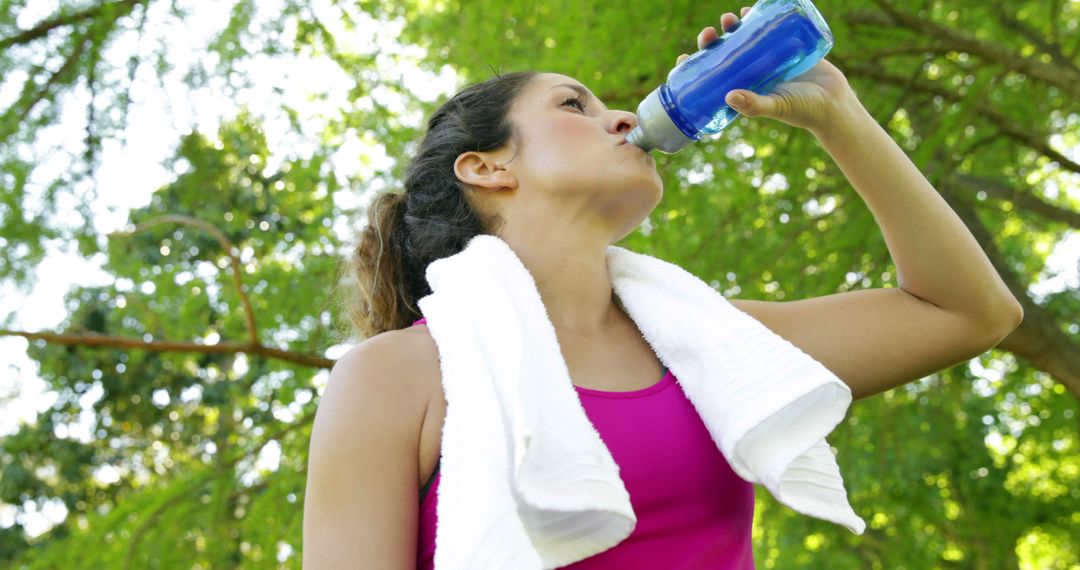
(185, 388)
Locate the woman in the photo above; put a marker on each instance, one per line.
(536, 160)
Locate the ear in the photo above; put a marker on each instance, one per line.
(483, 172)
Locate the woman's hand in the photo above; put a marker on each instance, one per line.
(807, 101)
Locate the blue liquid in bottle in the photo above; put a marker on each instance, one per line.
(776, 41)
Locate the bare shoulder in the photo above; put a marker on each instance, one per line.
(419, 355)
(362, 467)
(403, 360)
(380, 385)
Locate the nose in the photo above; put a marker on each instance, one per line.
(624, 122)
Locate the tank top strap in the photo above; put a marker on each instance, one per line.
(427, 486)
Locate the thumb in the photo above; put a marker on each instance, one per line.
(751, 104)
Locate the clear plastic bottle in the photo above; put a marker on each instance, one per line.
(776, 41)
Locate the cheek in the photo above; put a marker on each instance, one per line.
(565, 139)
(552, 147)
(563, 150)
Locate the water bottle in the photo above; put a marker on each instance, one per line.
(775, 41)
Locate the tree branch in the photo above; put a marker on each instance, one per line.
(108, 341)
(1065, 77)
(1023, 200)
(230, 249)
(1047, 46)
(903, 49)
(133, 67)
(63, 20)
(32, 98)
(1009, 127)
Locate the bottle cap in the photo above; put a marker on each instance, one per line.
(655, 129)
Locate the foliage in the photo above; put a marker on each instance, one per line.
(166, 457)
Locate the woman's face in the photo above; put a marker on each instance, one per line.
(570, 170)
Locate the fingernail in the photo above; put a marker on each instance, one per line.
(736, 100)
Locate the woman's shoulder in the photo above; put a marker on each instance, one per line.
(395, 345)
(407, 358)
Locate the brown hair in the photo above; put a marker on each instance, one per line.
(434, 217)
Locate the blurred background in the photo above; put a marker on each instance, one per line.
(179, 180)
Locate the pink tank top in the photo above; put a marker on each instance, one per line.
(693, 511)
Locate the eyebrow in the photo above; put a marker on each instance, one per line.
(580, 91)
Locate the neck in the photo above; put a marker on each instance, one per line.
(573, 281)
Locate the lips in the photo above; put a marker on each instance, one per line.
(623, 142)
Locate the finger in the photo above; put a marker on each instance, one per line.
(727, 21)
(707, 36)
(679, 60)
(745, 9)
(753, 104)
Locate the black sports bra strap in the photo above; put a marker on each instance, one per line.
(431, 480)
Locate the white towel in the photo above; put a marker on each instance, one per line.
(527, 483)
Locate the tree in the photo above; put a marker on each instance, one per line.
(202, 363)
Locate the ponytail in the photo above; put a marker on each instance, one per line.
(379, 265)
(434, 217)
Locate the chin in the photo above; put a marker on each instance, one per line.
(633, 205)
(630, 227)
